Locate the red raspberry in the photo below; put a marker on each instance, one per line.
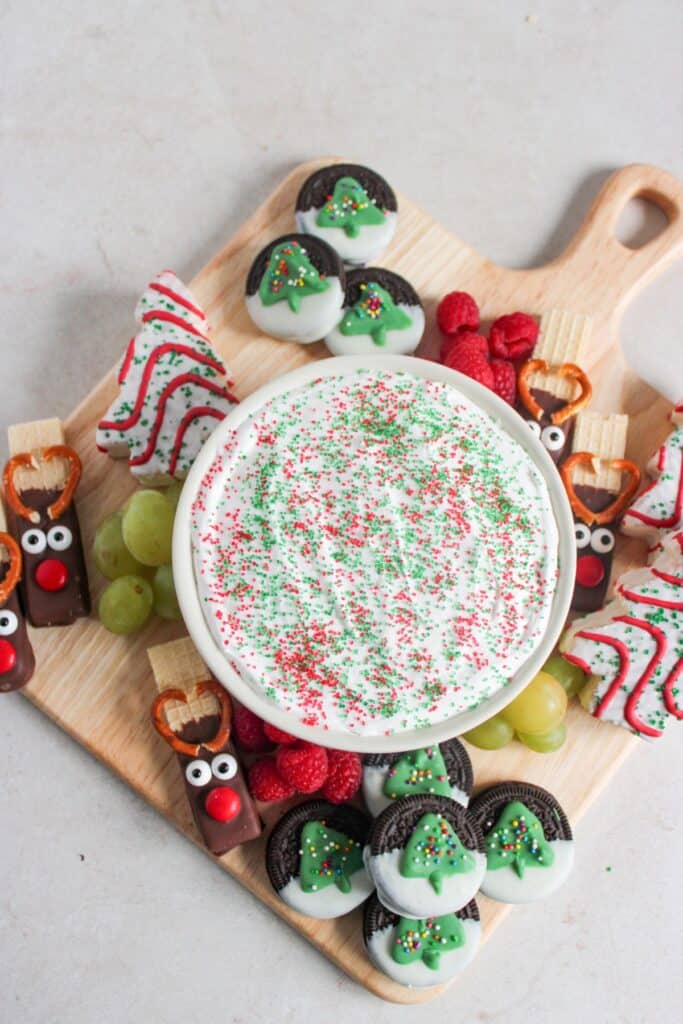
(513, 336)
(504, 379)
(344, 774)
(471, 342)
(248, 731)
(303, 765)
(266, 783)
(457, 311)
(472, 364)
(277, 735)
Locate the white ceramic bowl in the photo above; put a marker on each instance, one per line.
(183, 571)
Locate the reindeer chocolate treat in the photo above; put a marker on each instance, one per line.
(39, 480)
(16, 654)
(600, 483)
(552, 387)
(193, 714)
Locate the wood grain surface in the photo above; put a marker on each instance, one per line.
(99, 687)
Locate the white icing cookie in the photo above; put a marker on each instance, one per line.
(295, 289)
(329, 902)
(382, 313)
(417, 974)
(416, 897)
(173, 387)
(370, 242)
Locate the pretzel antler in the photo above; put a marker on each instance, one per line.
(566, 370)
(180, 746)
(13, 574)
(621, 501)
(27, 460)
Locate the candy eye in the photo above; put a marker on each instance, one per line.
(602, 541)
(224, 766)
(582, 534)
(534, 427)
(34, 542)
(59, 538)
(8, 623)
(553, 438)
(198, 773)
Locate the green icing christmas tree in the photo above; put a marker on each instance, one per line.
(517, 841)
(349, 207)
(435, 852)
(327, 857)
(426, 939)
(419, 771)
(290, 276)
(375, 313)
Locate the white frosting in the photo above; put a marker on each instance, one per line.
(374, 777)
(416, 897)
(163, 352)
(652, 596)
(401, 342)
(330, 901)
(505, 885)
(318, 313)
(417, 974)
(374, 552)
(658, 506)
(372, 239)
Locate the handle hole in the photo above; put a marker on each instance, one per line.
(640, 222)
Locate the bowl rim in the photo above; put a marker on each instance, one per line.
(212, 654)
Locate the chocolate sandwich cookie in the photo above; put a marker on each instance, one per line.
(314, 858)
(421, 952)
(295, 289)
(442, 769)
(426, 856)
(529, 842)
(350, 207)
(382, 313)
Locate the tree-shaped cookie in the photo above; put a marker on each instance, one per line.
(426, 939)
(517, 841)
(434, 852)
(290, 276)
(350, 208)
(327, 857)
(418, 771)
(375, 313)
(173, 387)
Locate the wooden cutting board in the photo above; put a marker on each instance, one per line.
(99, 687)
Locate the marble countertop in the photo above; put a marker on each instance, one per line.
(140, 136)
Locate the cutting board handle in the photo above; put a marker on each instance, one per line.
(595, 250)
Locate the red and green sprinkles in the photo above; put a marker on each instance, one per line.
(374, 552)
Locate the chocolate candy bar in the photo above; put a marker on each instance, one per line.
(16, 654)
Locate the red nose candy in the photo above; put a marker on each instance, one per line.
(51, 574)
(8, 656)
(590, 572)
(223, 804)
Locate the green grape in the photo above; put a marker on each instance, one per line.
(148, 528)
(110, 554)
(588, 692)
(172, 494)
(492, 734)
(165, 600)
(570, 677)
(126, 604)
(539, 707)
(545, 742)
